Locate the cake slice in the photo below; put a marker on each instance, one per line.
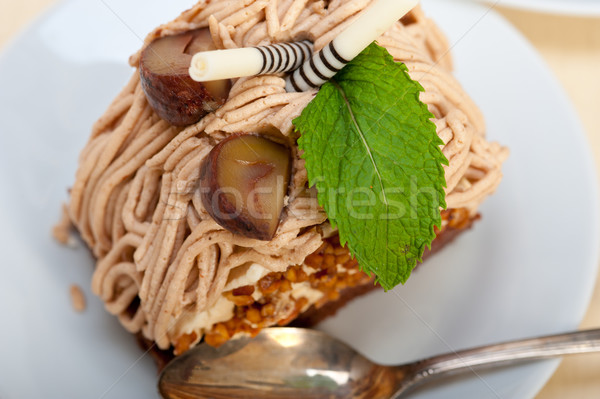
(168, 267)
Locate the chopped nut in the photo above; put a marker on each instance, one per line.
(459, 218)
(232, 324)
(333, 295)
(267, 310)
(291, 274)
(343, 259)
(302, 276)
(329, 281)
(239, 312)
(239, 300)
(215, 340)
(184, 343)
(358, 279)
(337, 251)
(301, 303)
(218, 336)
(253, 316)
(341, 283)
(243, 300)
(315, 260)
(270, 283)
(285, 286)
(222, 330)
(329, 260)
(245, 290)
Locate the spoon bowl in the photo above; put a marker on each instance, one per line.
(299, 363)
(279, 362)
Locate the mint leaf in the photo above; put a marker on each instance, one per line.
(374, 156)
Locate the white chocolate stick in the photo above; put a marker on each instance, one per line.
(249, 61)
(347, 45)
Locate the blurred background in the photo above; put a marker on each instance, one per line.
(568, 38)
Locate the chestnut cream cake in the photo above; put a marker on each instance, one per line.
(197, 199)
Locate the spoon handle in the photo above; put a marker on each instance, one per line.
(499, 354)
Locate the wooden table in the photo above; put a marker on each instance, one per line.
(571, 46)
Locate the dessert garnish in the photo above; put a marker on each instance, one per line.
(244, 181)
(225, 64)
(374, 155)
(309, 74)
(370, 147)
(370, 25)
(170, 91)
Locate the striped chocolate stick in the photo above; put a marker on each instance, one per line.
(371, 24)
(249, 61)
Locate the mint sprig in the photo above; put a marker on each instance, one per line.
(373, 153)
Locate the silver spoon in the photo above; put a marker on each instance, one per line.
(300, 363)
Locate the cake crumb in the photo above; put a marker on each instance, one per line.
(77, 298)
(62, 230)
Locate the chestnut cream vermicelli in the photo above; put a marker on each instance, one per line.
(163, 263)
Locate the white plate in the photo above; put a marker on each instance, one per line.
(585, 8)
(526, 269)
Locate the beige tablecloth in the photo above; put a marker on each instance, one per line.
(571, 46)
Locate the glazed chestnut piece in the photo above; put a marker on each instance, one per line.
(171, 92)
(244, 181)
